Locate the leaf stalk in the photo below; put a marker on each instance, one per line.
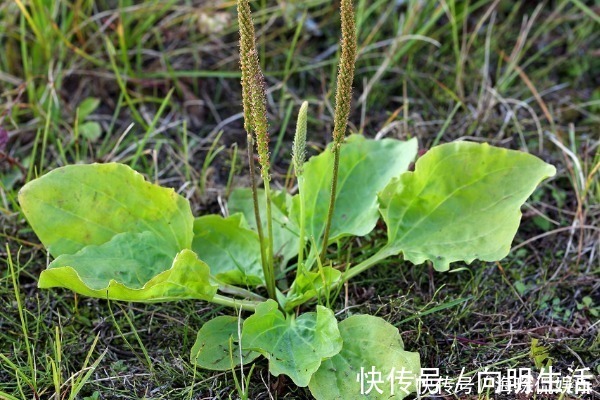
(247, 305)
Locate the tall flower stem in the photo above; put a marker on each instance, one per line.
(331, 210)
(271, 286)
(343, 99)
(259, 118)
(298, 156)
(301, 240)
(259, 228)
(255, 123)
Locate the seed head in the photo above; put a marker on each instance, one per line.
(343, 96)
(254, 97)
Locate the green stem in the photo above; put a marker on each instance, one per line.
(259, 229)
(238, 291)
(247, 305)
(269, 270)
(334, 181)
(375, 259)
(381, 255)
(301, 241)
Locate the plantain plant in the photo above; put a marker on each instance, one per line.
(113, 235)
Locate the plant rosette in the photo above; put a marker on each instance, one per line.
(113, 235)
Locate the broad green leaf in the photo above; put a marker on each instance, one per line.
(231, 250)
(285, 234)
(294, 346)
(128, 258)
(366, 166)
(371, 345)
(308, 284)
(461, 203)
(80, 205)
(217, 345)
(131, 267)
